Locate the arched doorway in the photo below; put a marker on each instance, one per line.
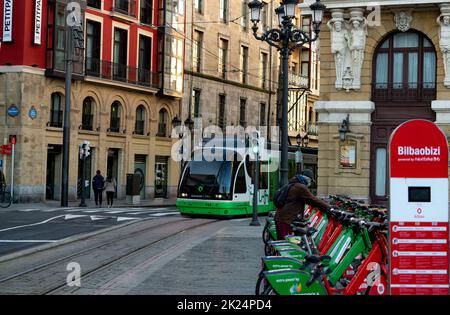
(403, 86)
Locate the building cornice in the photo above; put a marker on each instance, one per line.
(335, 4)
(24, 69)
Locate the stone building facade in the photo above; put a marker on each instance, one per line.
(381, 65)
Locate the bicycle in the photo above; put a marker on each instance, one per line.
(5, 198)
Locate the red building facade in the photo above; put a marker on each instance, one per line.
(124, 91)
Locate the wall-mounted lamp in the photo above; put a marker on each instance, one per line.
(344, 128)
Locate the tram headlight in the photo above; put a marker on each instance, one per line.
(184, 195)
(218, 196)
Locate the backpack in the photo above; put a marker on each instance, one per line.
(279, 199)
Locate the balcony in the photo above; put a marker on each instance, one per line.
(298, 80)
(114, 125)
(411, 91)
(127, 7)
(56, 119)
(122, 73)
(162, 130)
(313, 129)
(139, 127)
(87, 122)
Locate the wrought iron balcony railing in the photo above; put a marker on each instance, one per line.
(404, 91)
(123, 73)
(87, 121)
(298, 80)
(56, 119)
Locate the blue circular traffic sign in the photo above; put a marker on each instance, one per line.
(13, 110)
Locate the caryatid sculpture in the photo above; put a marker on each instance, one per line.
(357, 45)
(444, 42)
(339, 47)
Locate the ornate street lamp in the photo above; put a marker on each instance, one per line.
(286, 39)
(344, 128)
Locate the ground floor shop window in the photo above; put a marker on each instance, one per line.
(161, 170)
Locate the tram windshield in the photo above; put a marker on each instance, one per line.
(205, 179)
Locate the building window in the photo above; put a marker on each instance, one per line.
(223, 11)
(87, 116)
(197, 51)
(94, 4)
(196, 103)
(146, 11)
(162, 124)
(306, 25)
(56, 112)
(120, 54)
(305, 63)
(242, 110)
(264, 69)
(139, 125)
(405, 68)
(125, 6)
(245, 13)
(380, 176)
(262, 114)
(198, 5)
(93, 42)
(221, 119)
(244, 64)
(173, 64)
(114, 124)
(145, 56)
(223, 56)
(60, 36)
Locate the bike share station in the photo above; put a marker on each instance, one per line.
(418, 229)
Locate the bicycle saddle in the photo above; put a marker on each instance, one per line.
(314, 259)
(300, 231)
(299, 224)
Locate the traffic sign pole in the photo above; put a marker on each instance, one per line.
(83, 179)
(12, 173)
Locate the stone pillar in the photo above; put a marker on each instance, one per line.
(344, 166)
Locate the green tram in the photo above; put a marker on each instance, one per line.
(224, 187)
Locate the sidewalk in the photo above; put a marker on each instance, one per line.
(118, 203)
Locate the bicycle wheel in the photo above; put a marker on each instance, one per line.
(263, 287)
(266, 234)
(5, 199)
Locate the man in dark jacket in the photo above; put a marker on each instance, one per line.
(97, 185)
(297, 197)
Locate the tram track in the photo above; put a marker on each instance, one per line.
(168, 230)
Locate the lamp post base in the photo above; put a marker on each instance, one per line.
(255, 222)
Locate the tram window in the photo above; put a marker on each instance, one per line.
(241, 186)
(263, 176)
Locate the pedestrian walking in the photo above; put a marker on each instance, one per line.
(98, 182)
(2, 180)
(110, 189)
(298, 195)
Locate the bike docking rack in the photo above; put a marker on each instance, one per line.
(343, 250)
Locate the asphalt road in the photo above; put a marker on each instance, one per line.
(30, 227)
(163, 255)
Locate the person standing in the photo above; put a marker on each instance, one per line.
(2, 180)
(110, 189)
(98, 183)
(298, 195)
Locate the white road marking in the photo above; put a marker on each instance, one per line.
(28, 210)
(33, 224)
(162, 214)
(74, 216)
(116, 211)
(28, 241)
(98, 217)
(126, 218)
